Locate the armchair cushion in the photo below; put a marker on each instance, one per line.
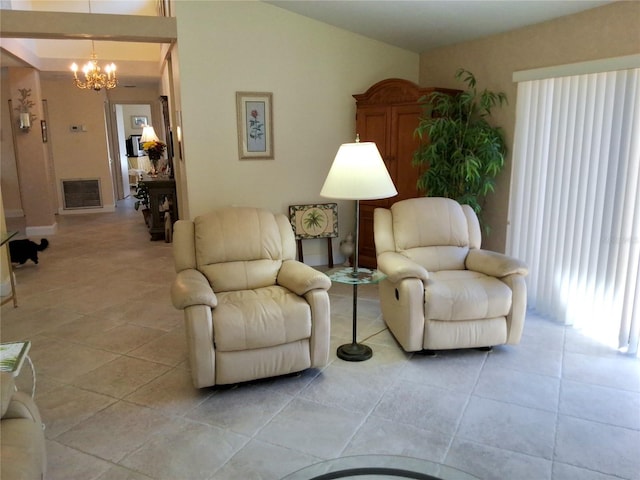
(264, 317)
(301, 278)
(238, 248)
(495, 264)
(398, 267)
(192, 288)
(458, 295)
(437, 238)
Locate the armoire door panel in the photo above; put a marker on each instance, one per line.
(404, 144)
(366, 246)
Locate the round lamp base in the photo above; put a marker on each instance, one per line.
(354, 352)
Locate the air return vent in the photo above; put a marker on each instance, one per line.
(81, 193)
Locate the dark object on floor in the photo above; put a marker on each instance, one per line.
(485, 349)
(23, 250)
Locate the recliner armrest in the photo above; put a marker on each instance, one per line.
(494, 264)
(192, 288)
(300, 278)
(16, 404)
(397, 267)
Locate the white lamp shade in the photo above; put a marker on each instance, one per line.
(358, 173)
(148, 134)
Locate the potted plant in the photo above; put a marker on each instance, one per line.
(142, 200)
(463, 152)
(154, 149)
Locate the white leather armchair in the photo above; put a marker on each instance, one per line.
(251, 310)
(442, 291)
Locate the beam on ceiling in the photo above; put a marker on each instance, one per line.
(87, 26)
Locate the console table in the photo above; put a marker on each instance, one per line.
(163, 201)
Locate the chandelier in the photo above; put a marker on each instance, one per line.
(94, 78)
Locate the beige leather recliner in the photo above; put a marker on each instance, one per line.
(251, 310)
(22, 442)
(442, 291)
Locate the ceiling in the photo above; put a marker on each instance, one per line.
(422, 25)
(418, 25)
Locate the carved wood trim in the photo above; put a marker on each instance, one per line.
(395, 91)
(391, 90)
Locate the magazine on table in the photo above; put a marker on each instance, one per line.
(12, 355)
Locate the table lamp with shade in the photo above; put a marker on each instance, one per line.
(357, 173)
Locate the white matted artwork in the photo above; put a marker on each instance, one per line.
(255, 125)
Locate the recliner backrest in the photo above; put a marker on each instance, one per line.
(241, 248)
(435, 232)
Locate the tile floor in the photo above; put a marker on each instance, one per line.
(115, 393)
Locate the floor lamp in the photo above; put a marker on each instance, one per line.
(357, 173)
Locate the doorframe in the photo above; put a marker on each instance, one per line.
(114, 142)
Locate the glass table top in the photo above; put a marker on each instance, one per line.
(6, 236)
(370, 467)
(361, 276)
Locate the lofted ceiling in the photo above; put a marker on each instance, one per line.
(418, 25)
(421, 25)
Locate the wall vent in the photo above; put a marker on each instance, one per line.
(81, 193)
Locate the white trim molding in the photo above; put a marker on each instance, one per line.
(14, 213)
(80, 211)
(40, 231)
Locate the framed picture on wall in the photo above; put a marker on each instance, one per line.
(255, 125)
(139, 121)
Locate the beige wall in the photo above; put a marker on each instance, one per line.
(78, 154)
(604, 32)
(8, 170)
(311, 68)
(31, 154)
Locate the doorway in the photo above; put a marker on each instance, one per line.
(126, 123)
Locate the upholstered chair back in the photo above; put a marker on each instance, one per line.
(436, 233)
(240, 248)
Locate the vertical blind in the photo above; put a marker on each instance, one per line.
(575, 200)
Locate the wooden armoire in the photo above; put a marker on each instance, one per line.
(388, 114)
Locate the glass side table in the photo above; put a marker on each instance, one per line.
(354, 351)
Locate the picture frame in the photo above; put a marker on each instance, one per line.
(255, 125)
(139, 121)
(314, 220)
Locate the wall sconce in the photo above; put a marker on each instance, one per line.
(25, 116)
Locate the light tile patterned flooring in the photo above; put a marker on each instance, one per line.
(114, 389)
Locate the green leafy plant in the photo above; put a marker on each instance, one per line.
(463, 152)
(314, 219)
(141, 196)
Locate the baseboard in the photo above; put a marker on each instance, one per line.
(41, 231)
(81, 211)
(14, 213)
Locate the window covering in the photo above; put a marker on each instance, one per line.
(575, 200)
